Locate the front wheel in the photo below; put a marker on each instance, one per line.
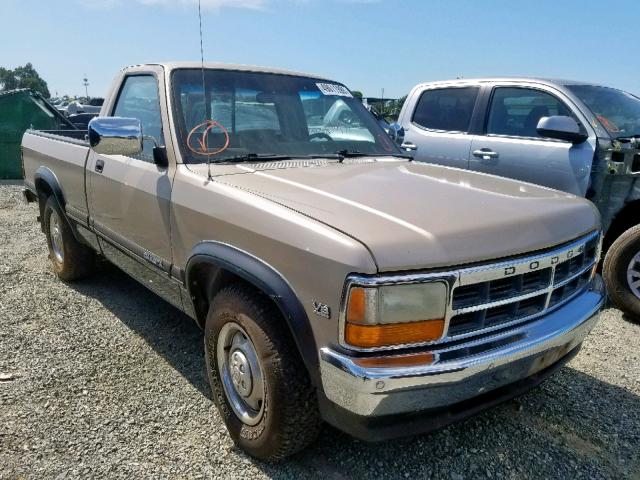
(621, 272)
(259, 383)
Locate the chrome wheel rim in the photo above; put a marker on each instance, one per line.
(241, 373)
(633, 275)
(55, 232)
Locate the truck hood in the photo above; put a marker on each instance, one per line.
(413, 215)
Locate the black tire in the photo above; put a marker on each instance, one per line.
(614, 272)
(71, 260)
(290, 419)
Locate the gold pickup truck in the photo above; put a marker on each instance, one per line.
(335, 279)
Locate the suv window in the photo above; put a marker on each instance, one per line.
(447, 109)
(139, 99)
(516, 111)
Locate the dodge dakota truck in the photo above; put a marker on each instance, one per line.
(573, 136)
(335, 279)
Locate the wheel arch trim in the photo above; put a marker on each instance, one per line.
(48, 177)
(267, 279)
(45, 175)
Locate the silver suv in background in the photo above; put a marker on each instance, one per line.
(572, 136)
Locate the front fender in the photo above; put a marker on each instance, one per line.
(268, 280)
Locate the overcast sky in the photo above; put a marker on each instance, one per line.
(367, 44)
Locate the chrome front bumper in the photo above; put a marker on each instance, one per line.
(464, 369)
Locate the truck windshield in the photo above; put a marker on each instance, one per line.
(270, 115)
(617, 111)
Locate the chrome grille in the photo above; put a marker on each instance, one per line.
(492, 296)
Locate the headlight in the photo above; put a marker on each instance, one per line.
(391, 315)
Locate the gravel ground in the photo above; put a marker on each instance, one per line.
(103, 379)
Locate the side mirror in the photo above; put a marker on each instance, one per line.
(160, 156)
(115, 136)
(396, 132)
(561, 128)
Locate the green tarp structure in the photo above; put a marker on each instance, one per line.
(19, 111)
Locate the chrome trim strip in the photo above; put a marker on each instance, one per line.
(550, 288)
(495, 271)
(547, 310)
(568, 280)
(131, 248)
(474, 275)
(77, 215)
(499, 303)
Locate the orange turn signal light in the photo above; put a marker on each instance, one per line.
(369, 336)
(396, 360)
(356, 309)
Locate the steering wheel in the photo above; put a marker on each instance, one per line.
(320, 135)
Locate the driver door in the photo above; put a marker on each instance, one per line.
(130, 195)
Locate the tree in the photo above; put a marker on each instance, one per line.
(393, 111)
(357, 94)
(23, 77)
(8, 80)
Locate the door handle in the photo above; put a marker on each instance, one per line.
(99, 165)
(485, 154)
(409, 146)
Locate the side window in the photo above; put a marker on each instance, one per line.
(516, 111)
(139, 99)
(447, 109)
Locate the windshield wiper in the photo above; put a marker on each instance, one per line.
(355, 153)
(267, 157)
(351, 154)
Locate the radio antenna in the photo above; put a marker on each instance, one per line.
(204, 92)
(201, 49)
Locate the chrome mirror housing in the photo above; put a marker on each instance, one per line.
(396, 132)
(115, 136)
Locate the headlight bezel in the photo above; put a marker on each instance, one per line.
(353, 281)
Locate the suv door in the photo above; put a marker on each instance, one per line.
(511, 147)
(436, 123)
(130, 196)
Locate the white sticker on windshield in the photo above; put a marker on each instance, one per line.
(334, 89)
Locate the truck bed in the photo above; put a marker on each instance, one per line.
(61, 156)
(62, 135)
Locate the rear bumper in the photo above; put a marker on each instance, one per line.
(469, 369)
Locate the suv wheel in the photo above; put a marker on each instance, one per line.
(621, 272)
(259, 383)
(71, 260)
